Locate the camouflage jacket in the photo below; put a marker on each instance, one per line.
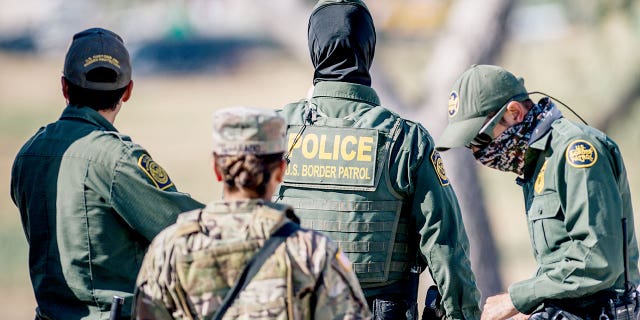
(191, 266)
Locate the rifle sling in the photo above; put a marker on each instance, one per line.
(254, 265)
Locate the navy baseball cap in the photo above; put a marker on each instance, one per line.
(97, 59)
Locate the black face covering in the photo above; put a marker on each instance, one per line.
(342, 41)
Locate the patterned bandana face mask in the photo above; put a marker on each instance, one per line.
(507, 151)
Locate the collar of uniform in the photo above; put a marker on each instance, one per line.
(232, 206)
(541, 143)
(541, 132)
(87, 114)
(346, 90)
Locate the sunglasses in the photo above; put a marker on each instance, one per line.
(485, 135)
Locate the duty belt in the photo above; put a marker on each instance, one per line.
(603, 305)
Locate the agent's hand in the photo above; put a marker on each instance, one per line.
(520, 316)
(498, 307)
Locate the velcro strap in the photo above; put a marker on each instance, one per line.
(365, 246)
(342, 206)
(368, 267)
(373, 267)
(342, 226)
(361, 246)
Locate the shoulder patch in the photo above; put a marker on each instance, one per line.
(453, 104)
(438, 165)
(154, 171)
(581, 154)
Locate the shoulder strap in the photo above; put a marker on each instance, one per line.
(253, 266)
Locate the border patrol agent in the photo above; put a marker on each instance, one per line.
(245, 257)
(576, 193)
(90, 199)
(371, 180)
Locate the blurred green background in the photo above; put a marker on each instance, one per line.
(192, 57)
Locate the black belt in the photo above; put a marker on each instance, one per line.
(606, 304)
(579, 305)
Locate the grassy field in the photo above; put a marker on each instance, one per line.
(170, 116)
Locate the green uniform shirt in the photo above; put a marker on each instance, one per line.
(429, 204)
(90, 201)
(192, 265)
(575, 196)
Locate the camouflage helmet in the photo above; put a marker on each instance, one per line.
(245, 130)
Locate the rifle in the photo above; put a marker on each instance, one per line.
(414, 284)
(626, 307)
(432, 310)
(628, 287)
(116, 308)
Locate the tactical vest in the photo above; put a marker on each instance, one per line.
(207, 267)
(338, 183)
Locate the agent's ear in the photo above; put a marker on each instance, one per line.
(65, 89)
(280, 173)
(516, 111)
(127, 93)
(216, 169)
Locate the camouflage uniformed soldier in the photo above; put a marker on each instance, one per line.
(576, 194)
(90, 199)
(372, 180)
(193, 265)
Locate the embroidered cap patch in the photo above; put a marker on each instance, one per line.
(453, 104)
(154, 171)
(581, 154)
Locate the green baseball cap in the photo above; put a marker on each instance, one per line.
(93, 50)
(245, 130)
(478, 92)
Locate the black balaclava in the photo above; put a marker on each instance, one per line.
(342, 41)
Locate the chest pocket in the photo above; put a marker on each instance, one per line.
(546, 222)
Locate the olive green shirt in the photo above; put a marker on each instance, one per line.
(91, 201)
(576, 193)
(416, 173)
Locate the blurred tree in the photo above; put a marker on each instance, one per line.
(475, 33)
(623, 103)
(593, 13)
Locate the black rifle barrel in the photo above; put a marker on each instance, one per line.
(625, 255)
(116, 308)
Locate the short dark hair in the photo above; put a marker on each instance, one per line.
(95, 99)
